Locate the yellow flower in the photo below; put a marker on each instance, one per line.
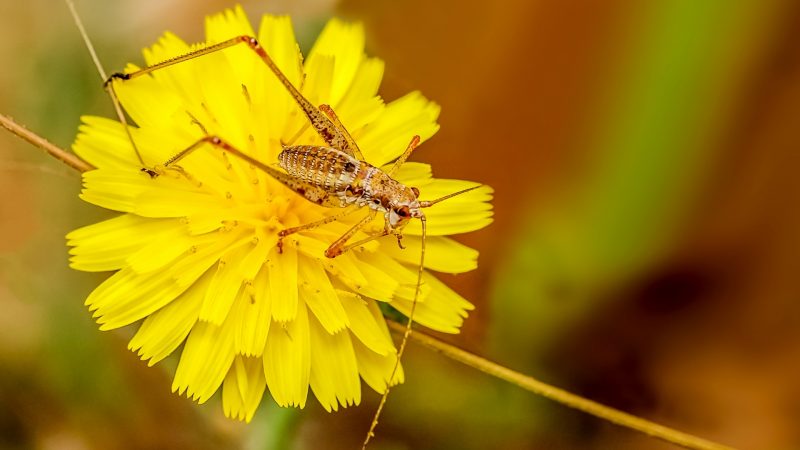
(194, 253)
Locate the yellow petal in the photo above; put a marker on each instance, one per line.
(225, 285)
(388, 136)
(103, 143)
(276, 109)
(334, 372)
(164, 330)
(443, 309)
(127, 296)
(283, 283)
(374, 368)
(107, 245)
(206, 359)
(460, 214)
(342, 44)
(253, 316)
(361, 104)
(364, 325)
(243, 388)
(320, 296)
(287, 360)
(442, 254)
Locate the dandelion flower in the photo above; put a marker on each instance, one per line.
(193, 252)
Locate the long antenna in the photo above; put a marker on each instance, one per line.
(108, 85)
(429, 203)
(403, 343)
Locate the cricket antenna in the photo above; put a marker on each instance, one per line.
(429, 203)
(106, 81)
(403, 343)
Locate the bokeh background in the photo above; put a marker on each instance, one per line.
(645, 252)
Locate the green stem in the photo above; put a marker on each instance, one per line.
(561, 396)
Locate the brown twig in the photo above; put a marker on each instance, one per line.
(559, 395)
(54, 151)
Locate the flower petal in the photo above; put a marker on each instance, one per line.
(374, 368)
(166, 329)
(442, 254)
(206, 359)
(343, 45)
(443, 309)
(287, 360)
(283, 283)
(253, 316)
(388, 136)
(320, 296)
(106, 245)
(243, 388)
(334, 371)
(364, 325)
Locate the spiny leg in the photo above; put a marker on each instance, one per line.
(365, 240)
(338, 247)
(403, 343)
(108, 87)
(309, 191)
(411, 146)
(288, 231)
(346, 134)
(325, 128)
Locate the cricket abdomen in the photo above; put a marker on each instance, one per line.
(325, 167)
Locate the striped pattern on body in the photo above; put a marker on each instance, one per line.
(325, 167)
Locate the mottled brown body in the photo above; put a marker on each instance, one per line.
(351, 181)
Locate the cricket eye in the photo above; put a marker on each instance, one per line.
(402, 212)
(415, 191)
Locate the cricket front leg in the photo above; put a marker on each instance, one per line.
(288, 231)
(338, 247)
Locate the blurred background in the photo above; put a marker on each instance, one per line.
(645, 251)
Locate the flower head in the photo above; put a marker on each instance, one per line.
(194, 251)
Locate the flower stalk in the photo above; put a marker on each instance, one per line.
(566, 398)
(53, 150)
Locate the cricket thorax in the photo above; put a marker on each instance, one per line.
(324, 167)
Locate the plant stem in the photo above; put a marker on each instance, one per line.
(54, 151)
(561, 396)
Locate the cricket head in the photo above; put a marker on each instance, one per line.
(404, 208)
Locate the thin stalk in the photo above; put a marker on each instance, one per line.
(559, 395)
(53, 150)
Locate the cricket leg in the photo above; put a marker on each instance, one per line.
(310, 192)
(411, 146)
(338, 247)
(346, 134)
(308, 226)
(324, 127)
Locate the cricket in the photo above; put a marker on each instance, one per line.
(335, 175)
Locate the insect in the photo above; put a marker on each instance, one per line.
(335, 175)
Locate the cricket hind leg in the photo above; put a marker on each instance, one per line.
(309, 191)
(322, 124)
